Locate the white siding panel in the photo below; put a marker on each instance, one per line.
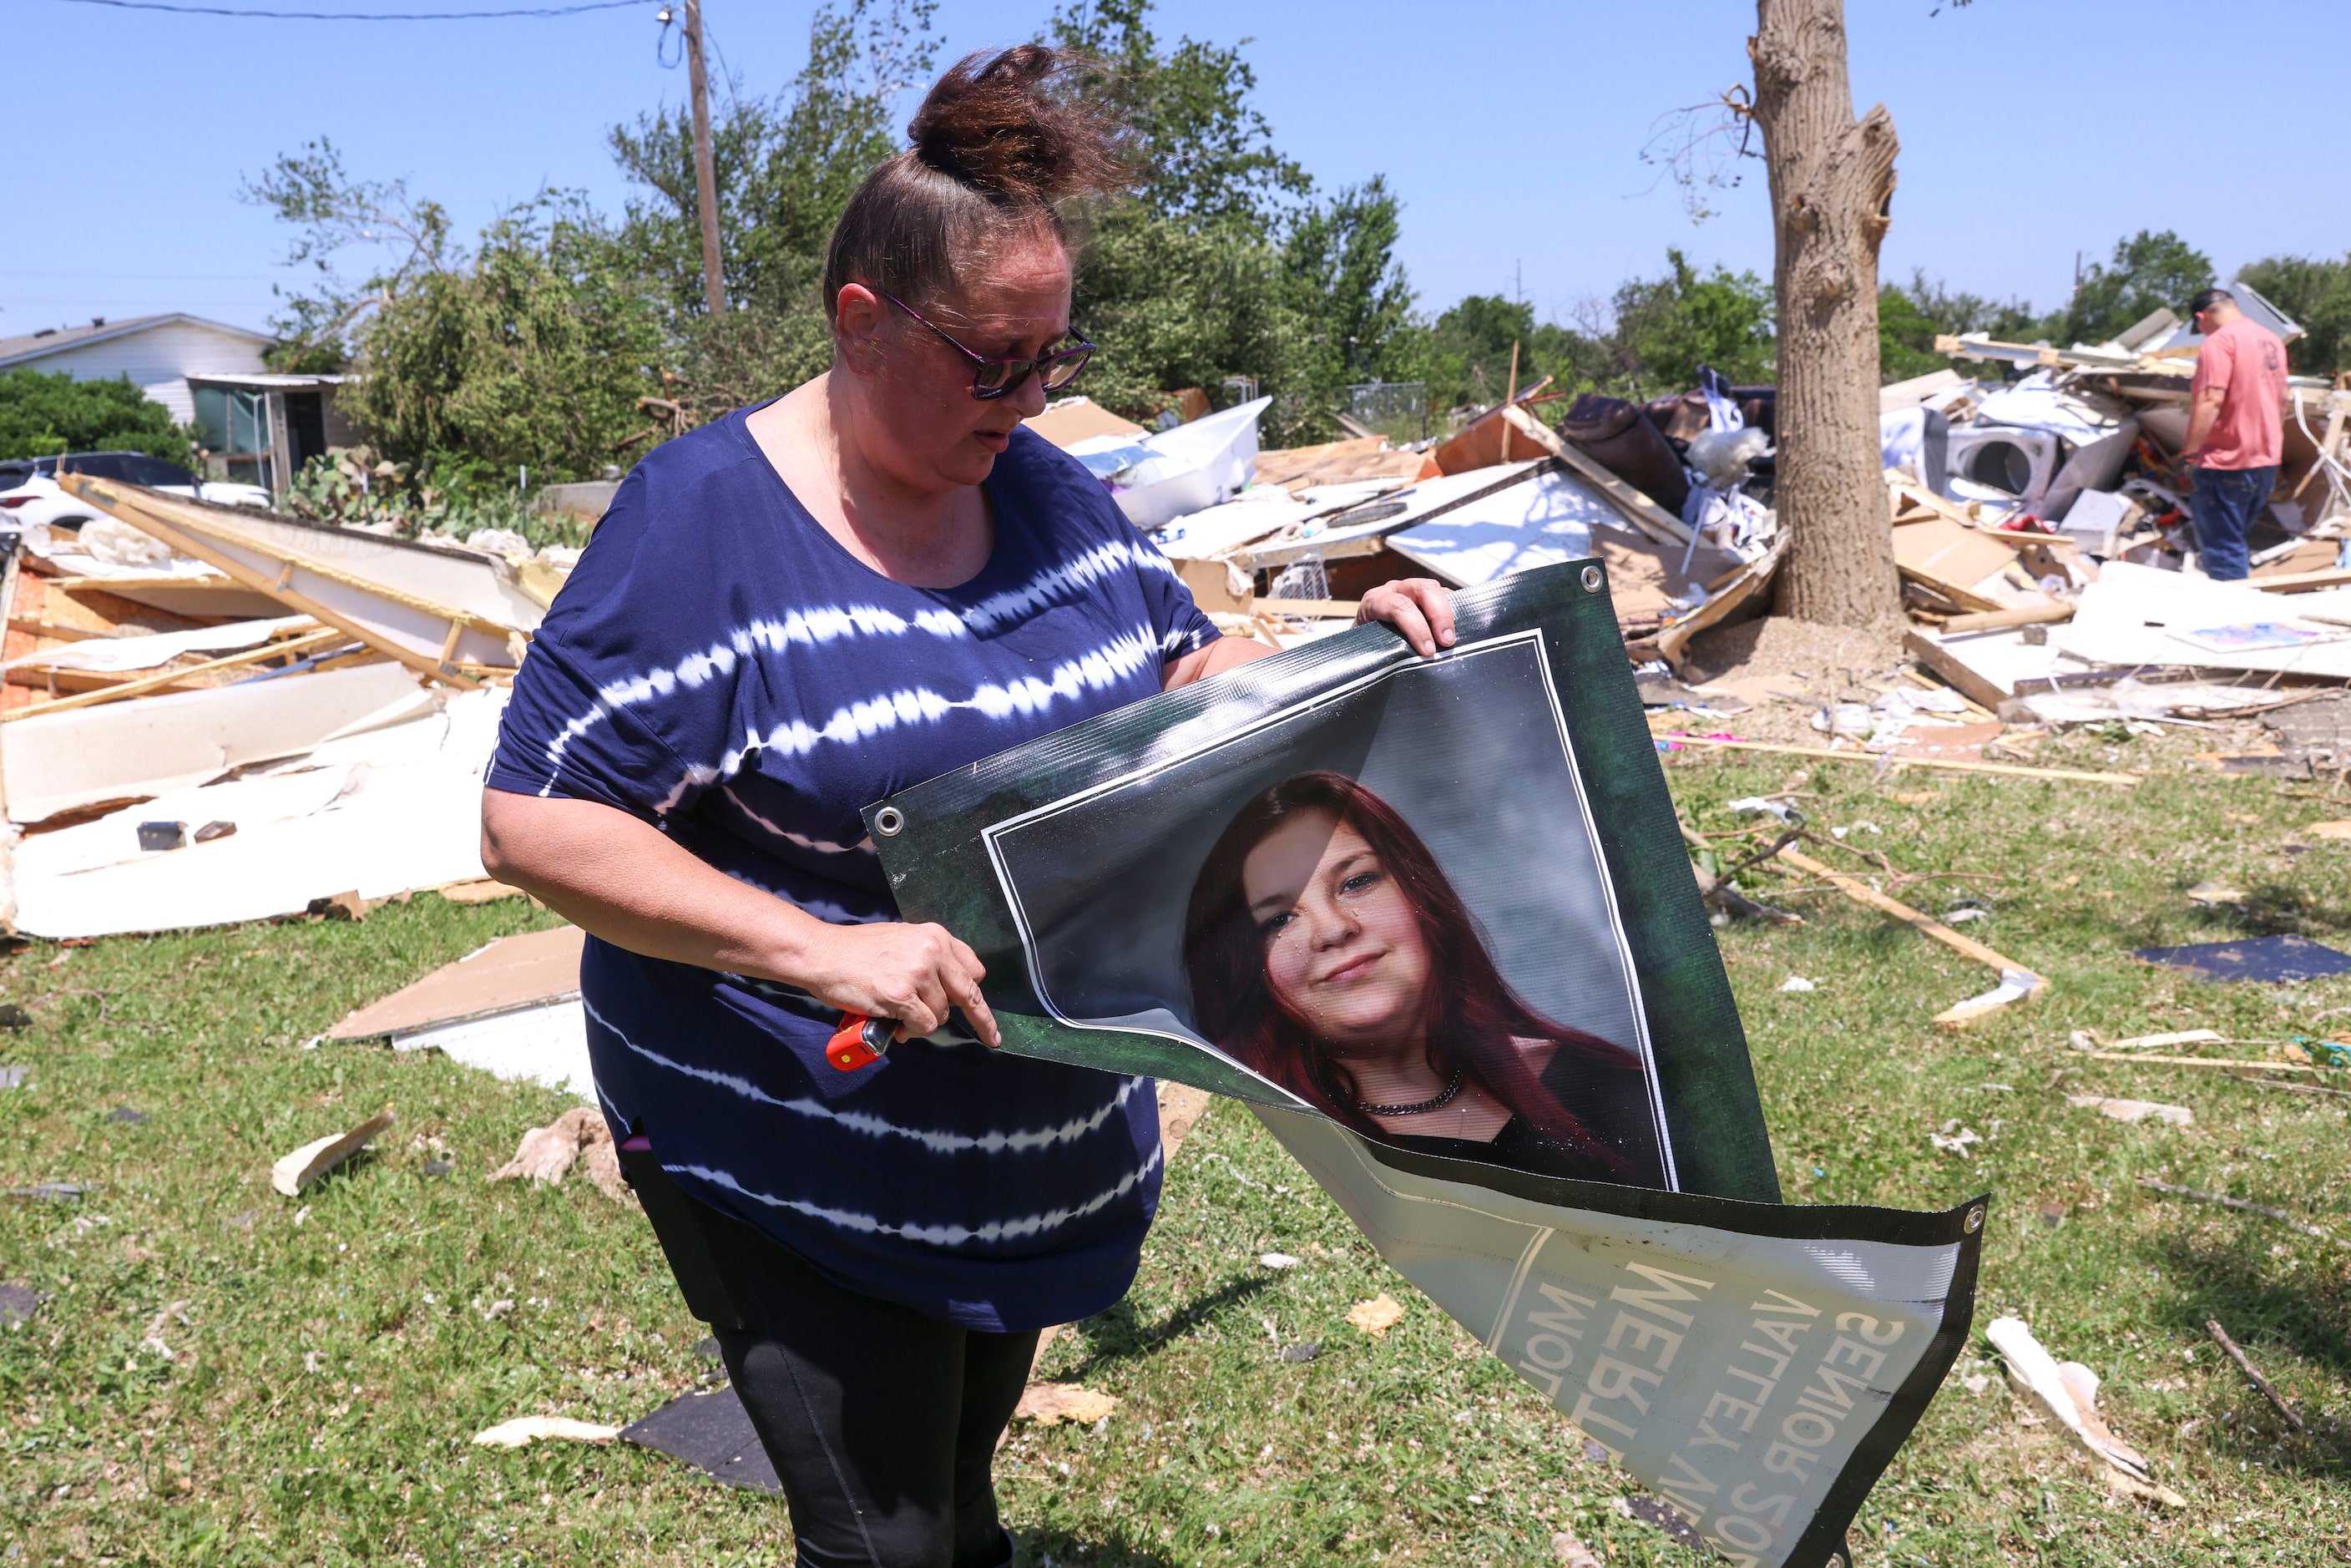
(158, 360)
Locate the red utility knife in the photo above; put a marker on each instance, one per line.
(860, 1040)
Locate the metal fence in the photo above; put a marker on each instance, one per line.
(1397, 410)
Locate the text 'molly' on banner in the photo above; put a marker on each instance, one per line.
(1348, 867)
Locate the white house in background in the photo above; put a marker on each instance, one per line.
(159, 353)
(256, 427)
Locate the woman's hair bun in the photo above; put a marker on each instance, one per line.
(1001, 144)
(1011, 125)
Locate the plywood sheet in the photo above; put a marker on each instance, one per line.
(512, 972)
(1950, 553)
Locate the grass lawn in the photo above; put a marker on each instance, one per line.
(329, 1360)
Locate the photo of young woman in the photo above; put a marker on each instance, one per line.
(1327, 951)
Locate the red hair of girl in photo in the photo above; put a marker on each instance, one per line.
(1471, 1015)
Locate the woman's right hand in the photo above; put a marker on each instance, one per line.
(909, 974)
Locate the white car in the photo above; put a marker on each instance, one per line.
(29, 492)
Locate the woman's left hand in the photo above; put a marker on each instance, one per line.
(1421, 608)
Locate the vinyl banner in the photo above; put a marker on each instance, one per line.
(1434, 920)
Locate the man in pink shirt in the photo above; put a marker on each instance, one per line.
(2236, 430)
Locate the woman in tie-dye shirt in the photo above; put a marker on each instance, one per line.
(788, 614)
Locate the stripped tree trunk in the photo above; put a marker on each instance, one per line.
(1832, 188)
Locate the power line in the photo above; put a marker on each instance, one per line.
(362, 16)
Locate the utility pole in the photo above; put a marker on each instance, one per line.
(706, 168)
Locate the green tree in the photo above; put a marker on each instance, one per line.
(1340, 258)
(1910, 316)
(2318, 295)
(531, 353)
(787, 163)
(1208, 155)
(2149, 271)
(1465, 352)
(334, 214)
(42, 415)
(1666, 327)
(1221, 264)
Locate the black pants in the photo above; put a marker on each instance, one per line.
(881, 1423)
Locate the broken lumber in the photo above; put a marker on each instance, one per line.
(294, 1173)
(1638, 509)
(169, 678)
(1897, 761)
(2202, 1061)
(2017, 982)
(430, 635)
(2067, 1393)
(2002, 619)
(1749, 582)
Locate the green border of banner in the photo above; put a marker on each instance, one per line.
(938, 866)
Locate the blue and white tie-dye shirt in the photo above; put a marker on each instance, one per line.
(721, 667)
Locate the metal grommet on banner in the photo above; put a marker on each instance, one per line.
(1975, 1219)
(888, 821)
(1591, 579)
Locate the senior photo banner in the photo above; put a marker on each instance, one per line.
(1434, 919)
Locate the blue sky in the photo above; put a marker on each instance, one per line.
(2031, 132)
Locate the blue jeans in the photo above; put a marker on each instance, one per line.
(2222, 510)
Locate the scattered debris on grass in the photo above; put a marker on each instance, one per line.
(1051, 1404)
(129, 1117)
(153, 1338)
(49, 1192)
(15, 1078)
(1306, 1351)
(1570, 1552)
(1954, 1139)
(713, 1433)
(527, 1429)
(2134, 1111)
(1797, 983)
(294, 1173)
(2151, 1041)
(17, 1304)
(1277, 1260)
(546, 1153)
(1376, 1316)
(2067, 1393)
(2279, 960)
(1649, 1511)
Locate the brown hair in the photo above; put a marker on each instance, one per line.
(1471, 1014)
(1001, 144)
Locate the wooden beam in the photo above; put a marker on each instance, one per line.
(1927, 926)
(1638, 509)
(189, 544)
(1965, 598)
(1317, 609)
(141, 687)
(1755, 576)
(2002, 619)
(2301, 581)
(1897, 761)
(77, 681)
(2200, 1061)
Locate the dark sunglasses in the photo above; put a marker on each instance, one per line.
(994, 376)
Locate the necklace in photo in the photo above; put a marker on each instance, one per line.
(1419, 1107)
